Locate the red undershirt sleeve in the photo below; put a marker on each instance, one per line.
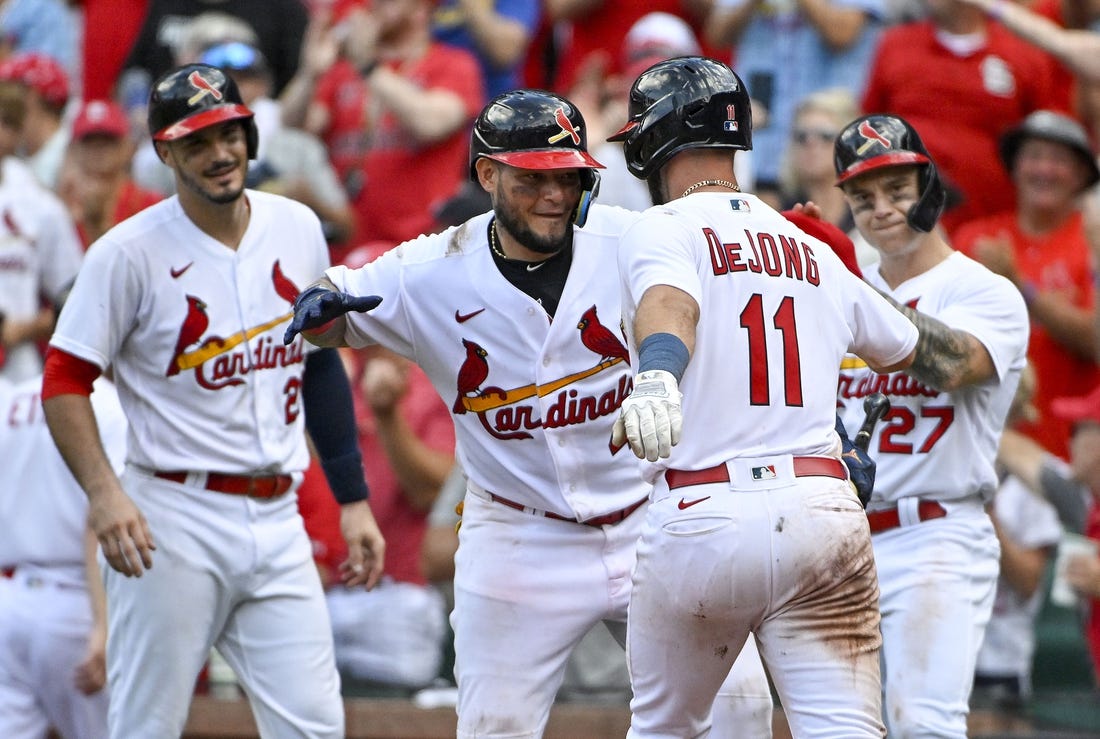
(67, 374)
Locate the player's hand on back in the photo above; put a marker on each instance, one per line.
(318, 305)
(122, 531)
(650, 419)
(366, 547)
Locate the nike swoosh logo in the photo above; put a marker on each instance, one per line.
(685, 504)
(534, 265)
(463, 317)
(177, 273)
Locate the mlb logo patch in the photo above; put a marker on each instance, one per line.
(730, 126)
(742, 206)
(764, 473)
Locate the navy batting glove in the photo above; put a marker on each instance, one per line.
(861, 467)
(317, 305)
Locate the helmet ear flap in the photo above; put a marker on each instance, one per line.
(251, 137)
(590, 184)
(927, 210)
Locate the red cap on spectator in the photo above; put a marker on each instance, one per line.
(101, 117)
(41, 73)
(1081, 408)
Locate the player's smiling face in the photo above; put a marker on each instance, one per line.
(880, 201)
(210, 163)
(536, 206)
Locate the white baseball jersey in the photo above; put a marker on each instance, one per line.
(40, 495)
(45, 610)
(770, 342)
(1009, 642)
(960, 430)
(763, 556)
(481, 341)
(194, 330)
(534, 402)
(40, 255)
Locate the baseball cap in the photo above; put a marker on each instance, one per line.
(101, 117)
(1051, 126)
(1077, 409)
(41, 73)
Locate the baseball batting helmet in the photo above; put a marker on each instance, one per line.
(535, 129)
(194, 97)
(876, 141)
(682, 103)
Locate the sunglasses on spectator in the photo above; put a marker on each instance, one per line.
(233, 56)
(803, 136)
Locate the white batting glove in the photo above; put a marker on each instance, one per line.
(650, 419)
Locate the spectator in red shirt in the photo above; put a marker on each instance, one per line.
(1042, 247)
(962, 81)
(95, 181)
(394, 108)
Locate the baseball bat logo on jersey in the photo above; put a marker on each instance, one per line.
(502, 412)
(567, 128)
(227, 366)
(204, 88)
(867, 131)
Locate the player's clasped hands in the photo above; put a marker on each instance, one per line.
(650, 419)
(317, 305)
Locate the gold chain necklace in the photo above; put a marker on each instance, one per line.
(711, 183)
(494, 244)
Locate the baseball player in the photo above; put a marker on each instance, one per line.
(935, 547)
(40, 251)
(53, 630)
(754, 530)
(514, 316)
(184, 302)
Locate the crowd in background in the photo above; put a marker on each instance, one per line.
(364, 107)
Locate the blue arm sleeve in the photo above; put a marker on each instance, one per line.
(330, 420)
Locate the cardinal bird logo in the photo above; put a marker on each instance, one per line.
(567, 128)
(867, 131)
(204, 88)
(192, 329)
(598, 338)
(286, 289)
(472, 374)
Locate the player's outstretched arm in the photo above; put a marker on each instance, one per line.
(319, 313)
(946, 358)
(118, 524)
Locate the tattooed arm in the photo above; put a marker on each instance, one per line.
(946, 358)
